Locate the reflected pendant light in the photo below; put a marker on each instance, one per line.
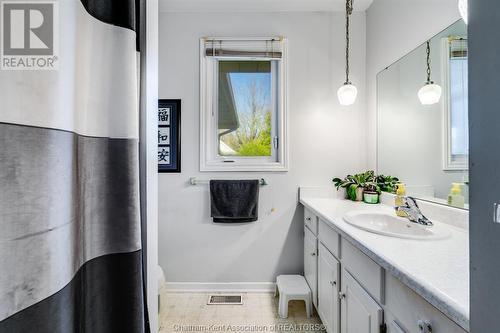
(462, 8)
(430, 93)
(347, 93)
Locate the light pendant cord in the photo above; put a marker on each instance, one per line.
(348, 12)
(429, 63)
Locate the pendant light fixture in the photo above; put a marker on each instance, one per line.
(462, 8)
(347, 93)
(430, 93)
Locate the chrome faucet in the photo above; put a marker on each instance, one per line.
(412, 212)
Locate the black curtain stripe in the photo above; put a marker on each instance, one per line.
(121, 13)
(101, 298)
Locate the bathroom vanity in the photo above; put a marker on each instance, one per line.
(364, 281)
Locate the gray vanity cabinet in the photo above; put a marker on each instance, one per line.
(328, 289)
(354, 294)
(359, 312)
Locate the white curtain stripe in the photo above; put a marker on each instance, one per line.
(93, 93)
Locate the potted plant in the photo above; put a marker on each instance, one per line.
(345, 184)
(355, 184)
(371, 192)
(387, 183)
(366, 186)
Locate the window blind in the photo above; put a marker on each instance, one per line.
(270, 48)
(458, 47)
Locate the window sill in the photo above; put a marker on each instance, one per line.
(455, 168)
(268, 167)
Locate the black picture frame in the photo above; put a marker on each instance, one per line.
(169, 135)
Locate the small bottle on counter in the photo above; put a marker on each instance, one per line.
(399, 200)
(455, 198)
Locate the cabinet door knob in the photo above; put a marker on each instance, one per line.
(308, 218)
(341, 295)
(425, 326)
(333, 283)
(313, 254)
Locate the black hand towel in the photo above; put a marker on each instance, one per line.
(234, 201)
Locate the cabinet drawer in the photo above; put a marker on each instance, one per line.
(366, 271)
(329, 237)
(409, 308)
(311, 221)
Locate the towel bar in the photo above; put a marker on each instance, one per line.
(194, 181)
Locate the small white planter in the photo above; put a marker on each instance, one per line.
(359, 194)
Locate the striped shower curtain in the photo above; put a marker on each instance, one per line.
(70, 232)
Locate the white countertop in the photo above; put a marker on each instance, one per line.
(438, 270)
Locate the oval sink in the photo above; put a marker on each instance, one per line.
(394, 226)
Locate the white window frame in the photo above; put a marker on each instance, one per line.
(210, 160)
(449, 164)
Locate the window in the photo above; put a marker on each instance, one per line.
(456, 147)
(242, 105)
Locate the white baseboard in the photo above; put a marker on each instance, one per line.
(235, 287)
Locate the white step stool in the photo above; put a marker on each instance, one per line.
(290, 288)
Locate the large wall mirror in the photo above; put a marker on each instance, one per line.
(423, 135)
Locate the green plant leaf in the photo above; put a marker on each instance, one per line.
(351, 192)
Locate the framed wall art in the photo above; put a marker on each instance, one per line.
(169, 135)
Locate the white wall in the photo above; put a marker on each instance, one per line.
(326, 140)
(394, 28)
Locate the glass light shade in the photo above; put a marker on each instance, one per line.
(347, 94)
(462, 8)
(429, 94)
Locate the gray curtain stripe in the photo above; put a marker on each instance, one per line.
(64, 199)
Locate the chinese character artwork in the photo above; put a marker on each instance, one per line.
(169, 123)
(164, 116)
(164, 135)
(163, 155)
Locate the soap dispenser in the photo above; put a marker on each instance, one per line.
(455, 198)
(400, 199)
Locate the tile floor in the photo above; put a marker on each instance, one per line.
(189, 312)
